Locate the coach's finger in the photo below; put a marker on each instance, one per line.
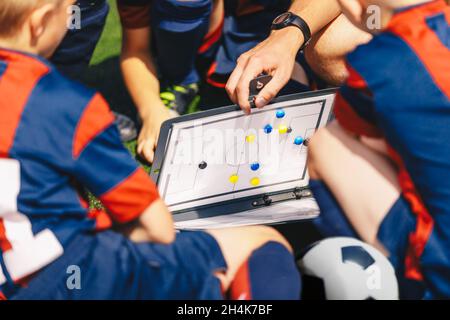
(253, 69)
(270, 91)
(233, 80)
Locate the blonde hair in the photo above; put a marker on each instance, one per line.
(13, 14)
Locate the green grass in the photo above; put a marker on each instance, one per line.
(109, 44)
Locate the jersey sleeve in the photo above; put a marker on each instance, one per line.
(354, 108)
(105, 167)
(134, 14)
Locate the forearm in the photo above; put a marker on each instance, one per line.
(141, 80)
(317, 13)
(154, 225)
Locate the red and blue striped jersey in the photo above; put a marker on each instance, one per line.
(57, 138)
(399, 90)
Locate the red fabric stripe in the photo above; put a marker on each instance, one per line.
(83, 202)
(425, 223)
(129, 199)
(351, 121)
(102, 219)
(96, 118)
(248, 7)
(134, 17)
(211, 38)
(21, 76)
(411, 26)
(240, 288)
(2, 296)
(211, 81)
(5, 245)
(355, 80)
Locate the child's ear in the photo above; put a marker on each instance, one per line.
(39, 19)
(353, 10)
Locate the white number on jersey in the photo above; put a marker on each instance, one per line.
(29, 252)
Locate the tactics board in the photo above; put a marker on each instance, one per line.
(224, 156)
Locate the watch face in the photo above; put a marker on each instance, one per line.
(282, 18)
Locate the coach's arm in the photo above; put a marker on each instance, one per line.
(332, 37)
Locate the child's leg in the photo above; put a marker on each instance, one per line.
(179, 28)
(196, 266)
(332, 222)
(260, 265)
(363, 181)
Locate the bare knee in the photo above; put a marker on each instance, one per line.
(330, 68)
(328, 49)
(315, 146)
(252, 237)
(238, 244)
(269, 234)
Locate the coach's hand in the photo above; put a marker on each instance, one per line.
(275, 56)
(151, 125)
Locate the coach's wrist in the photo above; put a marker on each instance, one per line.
(290, 39)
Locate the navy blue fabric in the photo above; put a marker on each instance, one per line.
(393, 233)
(3, 66)
(179, 28)
(402, 220)
(273, 273)
(413, 111)
(75, 52)
(180, 16)
(332, 221)
(112, 267)
(115, 167)
(441, 28)
(361, 102)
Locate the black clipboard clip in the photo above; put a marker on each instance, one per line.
(256, 85)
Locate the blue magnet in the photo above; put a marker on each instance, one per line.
(280, 113)
(298, 140)
(254, 166)
(268, 129)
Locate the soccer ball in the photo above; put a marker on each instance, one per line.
(348, 269)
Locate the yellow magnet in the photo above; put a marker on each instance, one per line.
(234, 178)
(250, 138)
(254, 182)
(282, 129)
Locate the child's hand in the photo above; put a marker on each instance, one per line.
(148, 137)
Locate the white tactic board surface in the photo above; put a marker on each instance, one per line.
(231, 155)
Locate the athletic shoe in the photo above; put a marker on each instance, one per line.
(179, 98)
(126, 126)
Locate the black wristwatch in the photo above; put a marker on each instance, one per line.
(288, 19)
